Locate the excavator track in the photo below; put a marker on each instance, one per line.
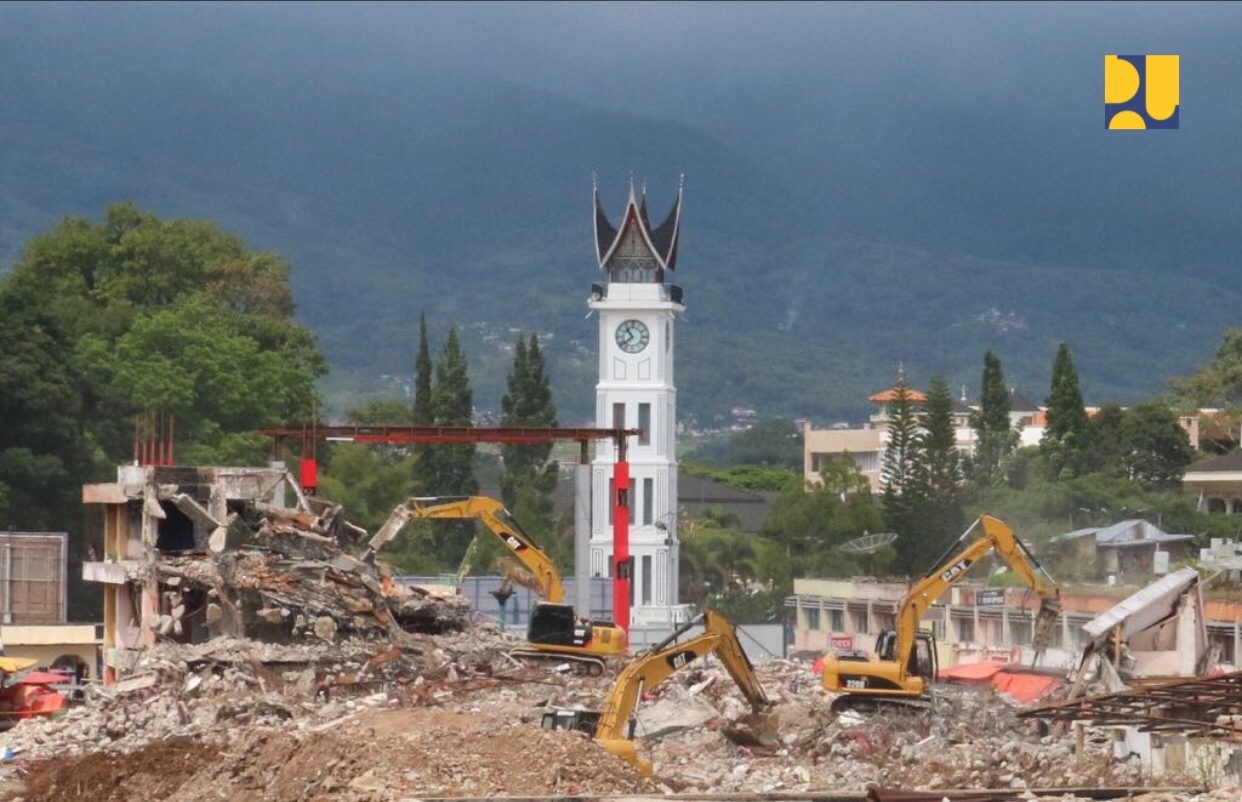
(937, 704)
(867, 704)
(581, 663)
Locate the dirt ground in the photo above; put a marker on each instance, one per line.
(148, 774)
(377, 755)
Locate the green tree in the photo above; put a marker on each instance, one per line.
(937, 508)
(808, 526)
(773, 443)
(528, 402)
(133, 315)
(1219, 383)
(1067, 444)
(451, 467)
(44, 458)
(898, 471)
(153, 312)
(446, 469)
(904, 493)
(529, 477)
(717, 561)
(206, 370)
(940, 461)
(1155, 448)
(424, 415)
(995, 439)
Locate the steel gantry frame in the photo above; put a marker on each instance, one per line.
(308, 470)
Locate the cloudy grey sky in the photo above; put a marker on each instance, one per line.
(886, 109)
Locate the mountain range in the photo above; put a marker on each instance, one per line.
(828, 241)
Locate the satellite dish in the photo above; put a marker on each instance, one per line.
(868, 544)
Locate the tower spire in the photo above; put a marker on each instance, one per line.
(635, 241)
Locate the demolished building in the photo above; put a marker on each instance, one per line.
(191, 553)
(1164, 697)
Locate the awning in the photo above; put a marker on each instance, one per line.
(11, 665)
(1007, 678)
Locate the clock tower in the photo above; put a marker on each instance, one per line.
(637, 310)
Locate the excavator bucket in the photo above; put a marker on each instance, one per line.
(757, 728)
(626, 750)
(1046, 623)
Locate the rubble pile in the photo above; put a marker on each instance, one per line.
(311, 675)
(972, 741)
(280, 575)
(451, 715)
(211, 692)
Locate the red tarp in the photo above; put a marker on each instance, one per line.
(41, 678)
(1005, 677)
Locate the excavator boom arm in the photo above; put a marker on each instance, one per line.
(495, 518)
(996, 536)
(652, 668)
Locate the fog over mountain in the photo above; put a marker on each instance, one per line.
(867, 184)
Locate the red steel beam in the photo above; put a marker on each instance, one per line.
(502, 434)
(520, 435)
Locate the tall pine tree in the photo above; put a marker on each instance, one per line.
(940, 461)
(1067, 443)
(450, 470)
(529, 479)
(903, 493)
(995, 438)
(939, 478)
(423, 413)
(528, 402)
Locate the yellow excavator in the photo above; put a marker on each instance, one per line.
(613, 727)
(555, 631)
(903, 666)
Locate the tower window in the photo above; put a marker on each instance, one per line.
(646, 580)
(648, 501)
(644, 423)
(618, 416)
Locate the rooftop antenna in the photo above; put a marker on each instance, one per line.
(868, 544)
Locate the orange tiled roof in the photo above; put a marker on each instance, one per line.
(891, 395)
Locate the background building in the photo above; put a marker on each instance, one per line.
(34, 603)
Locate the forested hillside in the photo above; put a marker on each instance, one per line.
(461, 194)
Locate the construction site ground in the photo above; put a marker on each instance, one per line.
(453, 716)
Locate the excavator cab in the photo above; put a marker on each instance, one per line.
(557, 625)
(578, 720)
(923, 657)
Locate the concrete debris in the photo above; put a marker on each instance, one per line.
(282, 668)
(449, 715)
(286, 578)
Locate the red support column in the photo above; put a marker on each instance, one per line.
(621, 544)
(309, 470)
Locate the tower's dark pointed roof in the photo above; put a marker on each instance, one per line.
(660, 242)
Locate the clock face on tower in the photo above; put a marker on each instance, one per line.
(632, 336)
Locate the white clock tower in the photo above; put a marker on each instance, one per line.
(637, 310)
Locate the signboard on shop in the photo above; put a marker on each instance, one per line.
(992, 597)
